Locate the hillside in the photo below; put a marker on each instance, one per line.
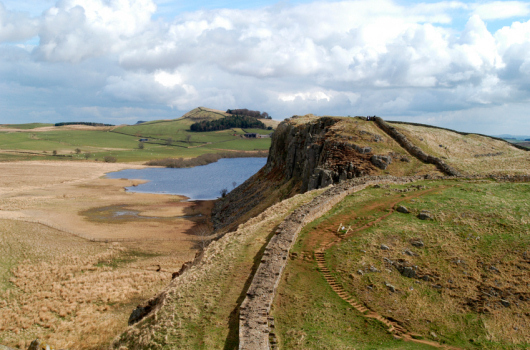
(163, 139)
(395, 254)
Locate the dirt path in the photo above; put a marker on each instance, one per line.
(331, 239)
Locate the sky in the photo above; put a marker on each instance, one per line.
(463, 65)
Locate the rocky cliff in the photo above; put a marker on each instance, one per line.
(306, 153)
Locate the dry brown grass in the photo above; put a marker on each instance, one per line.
(468, 152)
(65, 289)
(69, 292)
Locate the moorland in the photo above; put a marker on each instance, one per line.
(377, 243)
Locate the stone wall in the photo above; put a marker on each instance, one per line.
(414, 150)
(255, 319)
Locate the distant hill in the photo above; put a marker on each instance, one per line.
(203, 113)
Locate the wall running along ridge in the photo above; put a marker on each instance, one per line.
(254, 316)
(415, 150)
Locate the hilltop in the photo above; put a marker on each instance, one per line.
(160, 139)
(383, 235)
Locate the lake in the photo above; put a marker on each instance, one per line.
(198, 183)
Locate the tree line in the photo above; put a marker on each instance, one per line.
(82, 123)
(250, 113)
(233, 121)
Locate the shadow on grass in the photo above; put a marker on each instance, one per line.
(232, 340)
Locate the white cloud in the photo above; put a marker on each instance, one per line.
(341, 57)
(74, 30)
(15, 27)
(502, 9)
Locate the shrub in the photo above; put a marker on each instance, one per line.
(110, 159)
(141, 145)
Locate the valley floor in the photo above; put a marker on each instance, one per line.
(72, 266)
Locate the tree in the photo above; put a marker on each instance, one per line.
(234, 184)
(188, 138)
(77, 151)
(169, 141)
(110, 159)
(224, 192)
(87, 155)
(54, 152)
(203, 233)
(141, 145)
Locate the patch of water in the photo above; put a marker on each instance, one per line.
(198, 183)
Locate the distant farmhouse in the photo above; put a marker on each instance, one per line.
(257, 136)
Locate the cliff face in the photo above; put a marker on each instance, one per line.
(315, 155)
(303, 156)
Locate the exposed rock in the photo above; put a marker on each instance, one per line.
(360, 272)
(424, 215)
(402, 209)
(382, 162)
(384, 247)
(505, 303)
(417, 243)
(408, 252)
(408, 272)
(373, 269)
(304, 156)
(390, 287)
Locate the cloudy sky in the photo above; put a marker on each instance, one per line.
(458, 64)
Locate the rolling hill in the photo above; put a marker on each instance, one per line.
(359, 234)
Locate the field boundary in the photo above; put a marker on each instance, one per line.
(255, 319)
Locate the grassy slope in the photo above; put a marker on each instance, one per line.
(199, 312)
(63, 289)
(25, 126)
(467, 152)
(477, 225)
(122, 142)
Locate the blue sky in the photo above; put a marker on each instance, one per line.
(458, 64)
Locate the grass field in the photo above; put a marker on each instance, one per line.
(25, 126)
(165, 139)
(470, 287)
(56, 284)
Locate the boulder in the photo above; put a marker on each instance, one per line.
(424, 215)
(417, 243)
(382, 162)
(402, 209)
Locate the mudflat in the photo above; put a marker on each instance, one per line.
(79, 252)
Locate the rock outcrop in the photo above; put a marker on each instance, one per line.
(302, 157)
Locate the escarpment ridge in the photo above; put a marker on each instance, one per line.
(309, 152)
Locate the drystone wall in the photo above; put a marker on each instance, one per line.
(254, 318)
(414, 150)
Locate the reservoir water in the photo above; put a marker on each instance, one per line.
(198, 183)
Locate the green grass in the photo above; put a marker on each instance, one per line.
(476, 225)
(122, 143)
(26, 126)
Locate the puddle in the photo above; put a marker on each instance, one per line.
(120, 213)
